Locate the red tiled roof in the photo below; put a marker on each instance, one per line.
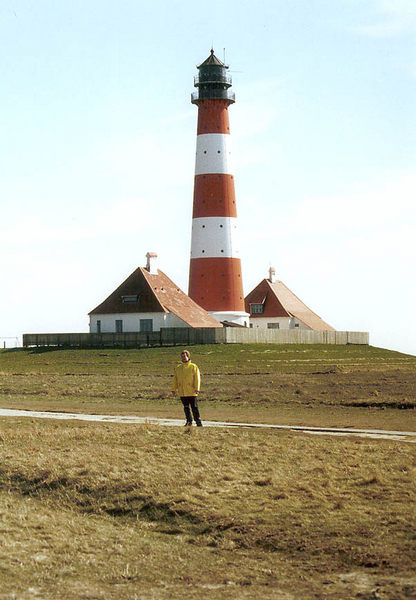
(279, 301)
(156, 293)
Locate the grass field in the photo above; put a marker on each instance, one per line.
(302, 385)
(147, 513)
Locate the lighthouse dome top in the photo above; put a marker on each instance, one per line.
(212, 81)
(212, 60)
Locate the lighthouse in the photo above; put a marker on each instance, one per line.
(215, 279)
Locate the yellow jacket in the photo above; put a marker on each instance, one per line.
(186, 379)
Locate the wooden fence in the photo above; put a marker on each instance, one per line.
(181, 336)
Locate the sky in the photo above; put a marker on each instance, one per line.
(97, 152)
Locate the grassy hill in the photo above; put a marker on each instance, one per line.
(309, 385)
(90, 510)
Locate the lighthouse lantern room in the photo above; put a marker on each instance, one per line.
(215, 279)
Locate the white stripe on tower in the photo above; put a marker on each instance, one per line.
(215, 237)
(213, 153)
(215, 281)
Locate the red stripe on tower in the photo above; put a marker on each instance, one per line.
(215, 280)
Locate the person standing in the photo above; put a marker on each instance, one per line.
(187, 383)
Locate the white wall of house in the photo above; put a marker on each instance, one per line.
(131, 321)
(242, 318)
(282, 322)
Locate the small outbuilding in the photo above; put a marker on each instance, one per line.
(272, 305)
(146, 301)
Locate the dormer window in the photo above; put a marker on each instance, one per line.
(131, 298)
(257, 309)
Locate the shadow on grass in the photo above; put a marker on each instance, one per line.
(12, 350)
(121, 502)
(37, 350)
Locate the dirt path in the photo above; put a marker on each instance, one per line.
(402, 436)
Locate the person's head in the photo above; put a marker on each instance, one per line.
(185, 356)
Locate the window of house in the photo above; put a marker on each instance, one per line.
(296, 324)
(273, 326)
(131, 298)
(257, 309)
(146, 325)
(119, 325)
(98, 326)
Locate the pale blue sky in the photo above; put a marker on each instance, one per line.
(97, 143)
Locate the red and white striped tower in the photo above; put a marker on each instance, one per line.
(215, 280)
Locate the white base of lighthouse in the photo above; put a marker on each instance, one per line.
(240, 318)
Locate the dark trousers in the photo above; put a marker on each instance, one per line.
(191, 402)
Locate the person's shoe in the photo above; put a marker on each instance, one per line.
(188, 424)
(199, 424)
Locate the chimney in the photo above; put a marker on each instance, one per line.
(272, 274)
(151, 263)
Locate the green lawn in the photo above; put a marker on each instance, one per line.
(304, 385)
(218, 358)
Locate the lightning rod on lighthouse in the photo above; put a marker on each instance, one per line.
(215, 279)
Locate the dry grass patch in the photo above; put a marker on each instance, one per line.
(112, 511)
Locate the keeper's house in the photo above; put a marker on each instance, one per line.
(271, 305)
(146, 301)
